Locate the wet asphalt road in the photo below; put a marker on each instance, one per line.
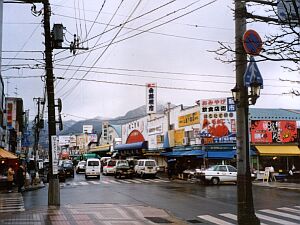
(184, 200)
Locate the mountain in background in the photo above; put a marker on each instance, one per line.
(75, 127)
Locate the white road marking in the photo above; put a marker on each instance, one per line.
(277, 213)
(214, 220)
(275, 220)
(234, 217)
(290, 210)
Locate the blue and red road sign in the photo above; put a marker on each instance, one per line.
(252, 42)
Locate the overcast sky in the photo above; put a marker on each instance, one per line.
(175, 55)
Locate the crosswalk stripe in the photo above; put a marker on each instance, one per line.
(275, 220)
(12, 202)
(161, 180)
(290, 210)
(84, 183)
(141, 180)
(125, 181)
(94, 182)
(214, 220)
(234, 217)
(135, 181)
(74, 183)
(273, 212)
(104, 182)
(115, 182)
(153, 180)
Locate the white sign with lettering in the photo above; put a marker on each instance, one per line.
(54, 147)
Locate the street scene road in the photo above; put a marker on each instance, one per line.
(192, 203)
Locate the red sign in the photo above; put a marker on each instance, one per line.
(135, 136)
(269, 131)
(252, 42)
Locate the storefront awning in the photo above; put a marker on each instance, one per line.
(102, 148)
(183, 153)
(278, 150)
(220, 154)
(6, 154)
(132, 146)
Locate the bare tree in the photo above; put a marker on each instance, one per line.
(283, 44)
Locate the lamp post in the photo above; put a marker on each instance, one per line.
(245, 209)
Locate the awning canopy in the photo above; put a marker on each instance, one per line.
(220, 154)
(132, 146)
(6, 154)
(183, 153)
(278, 150)
(102, 148)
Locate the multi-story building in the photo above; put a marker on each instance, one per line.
(2, 125)
(14, 123)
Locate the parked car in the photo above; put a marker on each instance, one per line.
(146, 167)
(92, 168)
(123, 169)
(103, 160)
(219, 173)
(68, 167)
(80, 167)
(109, 167)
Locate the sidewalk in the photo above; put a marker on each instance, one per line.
(280, 185)
(91, 214)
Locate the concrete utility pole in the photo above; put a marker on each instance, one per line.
(245, 208)
(54, 189)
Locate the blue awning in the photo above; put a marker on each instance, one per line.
(132, 146)
(220, 154)
(166, 143)
(194, 153)
(183, 153)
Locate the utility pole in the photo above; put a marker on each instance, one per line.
(36, 132)
(54, 189)
(245, 208)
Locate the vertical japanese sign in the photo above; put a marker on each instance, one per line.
(151, 91)
(54, 154)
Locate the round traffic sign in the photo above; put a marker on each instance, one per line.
(252, 42)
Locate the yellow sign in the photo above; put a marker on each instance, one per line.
(189, 119)
(178, 137)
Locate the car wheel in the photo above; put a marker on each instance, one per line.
(98, 177)
(142, 175)
(77, 172)
(86, 177)
(215, 180)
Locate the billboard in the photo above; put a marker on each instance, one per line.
(270, 131)
(217, 120)
(87, 129)
(189, 119)
(179, 137)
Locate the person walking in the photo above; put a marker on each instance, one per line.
(20, 177)
(10, 178)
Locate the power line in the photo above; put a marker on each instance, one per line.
(95, 43)
(131, 14)
(161, 87)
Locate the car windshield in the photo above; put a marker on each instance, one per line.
(212, 168)
(68, 165)
(111, 163)
(149, 163)
(82, 163)
(123, 163)
(93, 163)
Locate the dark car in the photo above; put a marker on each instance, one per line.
(69, 168)
(123, 169)
(60, 173)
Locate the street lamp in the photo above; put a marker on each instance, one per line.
(252, 96)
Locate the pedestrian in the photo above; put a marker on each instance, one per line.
(271, 174)
(10, 178)
(171, 168)
(20, 177)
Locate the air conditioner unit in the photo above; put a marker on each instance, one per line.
(185, 141)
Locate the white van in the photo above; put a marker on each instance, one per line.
(92, 168)
(146, 167)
